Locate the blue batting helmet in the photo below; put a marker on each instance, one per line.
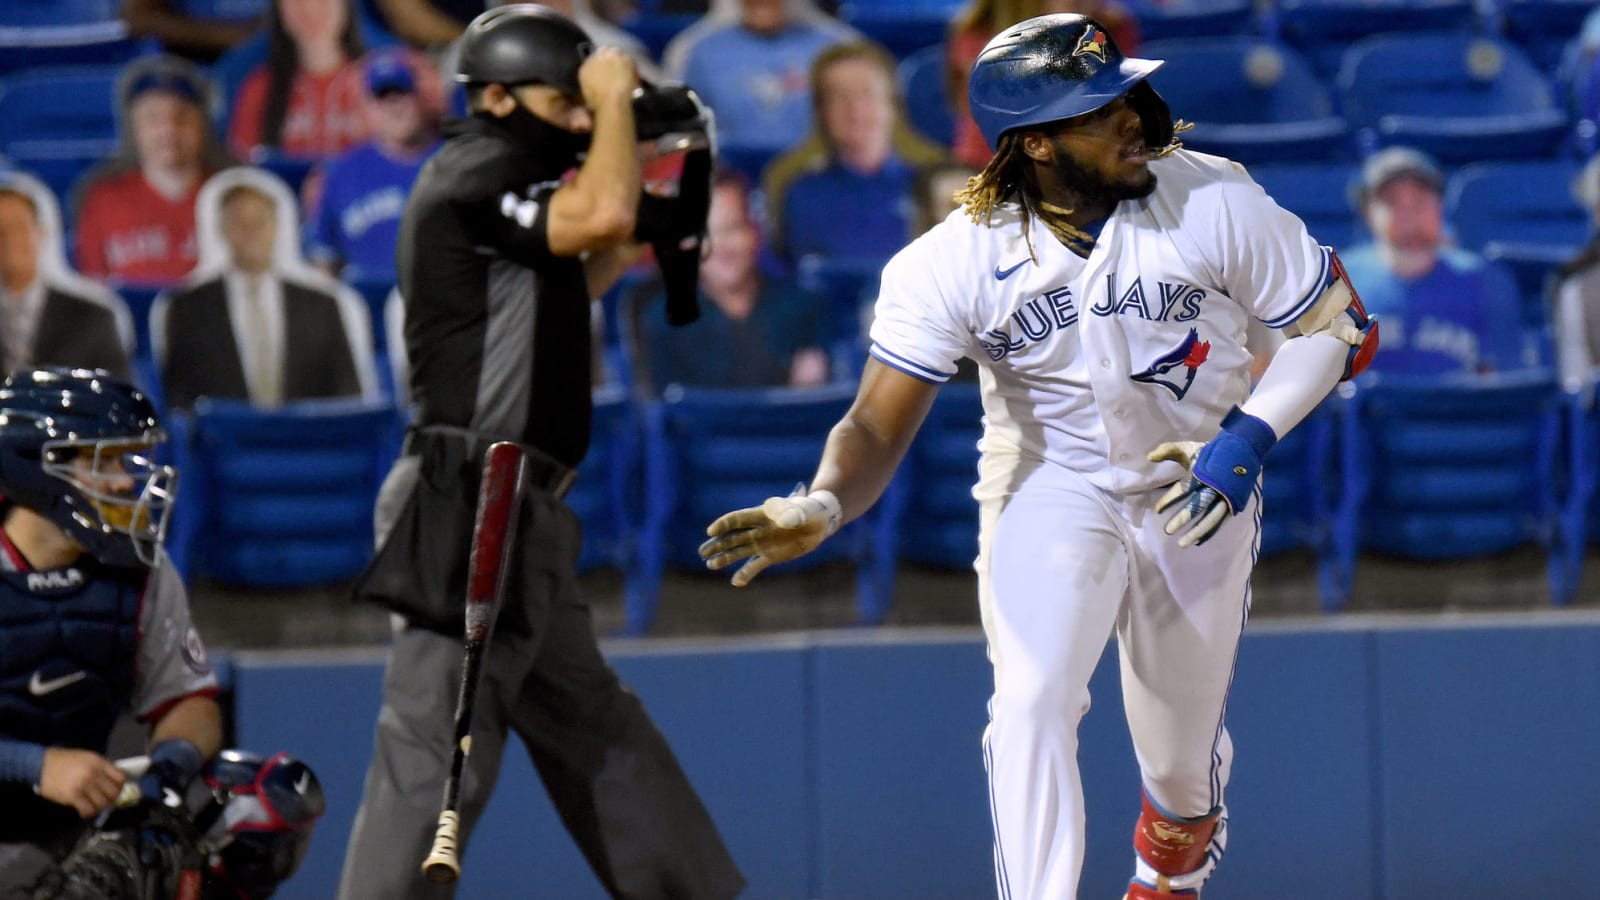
(76, 447)
(1054, 67)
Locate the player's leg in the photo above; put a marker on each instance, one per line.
(1178, 637)
(1052, 569)
(608, 770)
(410, 759)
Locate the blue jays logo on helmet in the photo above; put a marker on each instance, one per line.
(1051, 68)
(1093, 43)
(1175, 369)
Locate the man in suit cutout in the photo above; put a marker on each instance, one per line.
(50, 315)
(253, 321)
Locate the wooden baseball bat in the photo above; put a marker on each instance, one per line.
(494, 531)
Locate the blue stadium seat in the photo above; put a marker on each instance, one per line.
(1250, 99)
(61, 165)
(57, 104)
(64, 32)
(922, 84)
(710, 451)
(292, 169)
(93, 45)
(1324, 29)
(224, 10)
(750, 161)
(902, 26)
(140, 297)
(1543, 27)
(1578, 90)
(932, 507)
(657, 29)
(1319, 193)
(1440, 469)
(850, 286)
(1191, 19)
(281, 498)
(1459, 97)
(375, 290)
(1295, 497)
(1580, 510)
(41, 14)
(606, 496)
(58, 121)
(1520, 213)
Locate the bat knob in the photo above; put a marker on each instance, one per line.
(443, 865)
(441, 872)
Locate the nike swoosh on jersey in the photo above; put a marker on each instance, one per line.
(1002, 275)
(39, 687)
(304, 782)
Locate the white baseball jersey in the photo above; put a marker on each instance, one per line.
(1090, 363)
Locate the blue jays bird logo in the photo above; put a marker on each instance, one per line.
(1093, 43)
(1190, 355)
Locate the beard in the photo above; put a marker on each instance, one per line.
(1092, 189)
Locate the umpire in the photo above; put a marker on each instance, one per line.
(498, 257)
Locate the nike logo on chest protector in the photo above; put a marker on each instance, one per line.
(40, 686)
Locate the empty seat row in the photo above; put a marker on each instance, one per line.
(1459, 96)
(1424, 470)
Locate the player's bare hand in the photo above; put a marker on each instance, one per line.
(607, 74)
(781, 529)
(81, 779)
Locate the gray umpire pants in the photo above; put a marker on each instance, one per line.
(610, 774)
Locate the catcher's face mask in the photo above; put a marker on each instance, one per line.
(125, 492)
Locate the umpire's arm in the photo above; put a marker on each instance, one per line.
(599, 208)
(595, 210)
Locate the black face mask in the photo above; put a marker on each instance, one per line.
(551, 145)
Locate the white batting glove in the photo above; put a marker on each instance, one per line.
(781, 529)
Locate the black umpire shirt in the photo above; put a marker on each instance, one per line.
(497, 327)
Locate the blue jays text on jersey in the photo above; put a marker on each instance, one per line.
(1056, 309)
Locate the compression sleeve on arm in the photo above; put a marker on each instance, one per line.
(1299, 376)
(21, 761)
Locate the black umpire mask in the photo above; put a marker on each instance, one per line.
(550, 143)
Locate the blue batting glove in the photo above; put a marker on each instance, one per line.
(1222, 474)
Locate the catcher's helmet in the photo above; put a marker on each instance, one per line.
(75, 447)
(259, 818)
(523, 43)
(1054, 67)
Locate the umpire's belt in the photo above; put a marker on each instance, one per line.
(544, 472)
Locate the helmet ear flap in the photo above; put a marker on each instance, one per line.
(1154, 115)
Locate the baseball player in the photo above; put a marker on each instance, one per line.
(1102, 278)
(95, 618)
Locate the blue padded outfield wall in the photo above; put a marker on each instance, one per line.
(1386, 758)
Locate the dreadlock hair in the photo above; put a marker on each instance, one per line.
(1010, 172)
